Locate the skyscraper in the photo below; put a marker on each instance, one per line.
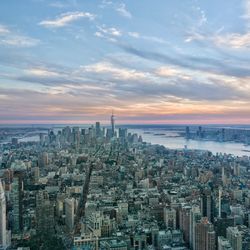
(234, 236)
(170, 218)
(98, 129)
(16, 197)
(208, 205)
(204, 235)
(113, 124)
(69, 213)
(195, 216)
(219, 212)
(184, 221)
(44, 213)
(3, 233)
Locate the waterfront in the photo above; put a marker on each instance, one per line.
(170, 139)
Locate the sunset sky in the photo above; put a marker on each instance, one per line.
(161, 61)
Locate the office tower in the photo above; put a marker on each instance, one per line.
(43, 159)
(42, 138)
(184, 222)
(122, 132)
(3, 232)
(204, 235)
(225, 206)
(52, 136)
(195, 216)
(44, 213)
(113, 124)
(224, 244)
(36, 173)
(234, 236)
(98, 131)
(70, 213)
(219, 212)
(221, 225)
(170, 218)
(66, 132)
(76, 136)
(208, 205)
(16, 198)
(223, 176)
(109, 133)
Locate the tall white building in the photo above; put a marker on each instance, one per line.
(234, 236)
(3, 232)
(70, 213)
(113, 124)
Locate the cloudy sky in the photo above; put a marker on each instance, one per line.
(162, 61)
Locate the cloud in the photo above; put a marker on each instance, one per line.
(209, 64)
(115, 72)
(229, 40)
(42, 72)
(66, 18)
(134, 34)
(13, 39)
(122, 10)
(234, 40)
(109, 33)
(153, 39)
(19, 41)
(172, 72)
(203, 17)
(195, 36)
(4, 29)
(247, 9)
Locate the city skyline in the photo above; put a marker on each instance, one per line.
(73, 62)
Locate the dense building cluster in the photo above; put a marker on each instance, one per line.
(215, 133)
(104, 188)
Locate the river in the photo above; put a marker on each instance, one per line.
(171, 140)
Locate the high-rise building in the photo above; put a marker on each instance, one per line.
(208, 205)
(219, 205)
(3, 232)
(70, 213)
(221, 225)
(170, 218)
(204, 235)
(98, 131)
(44, 213)
(113, 124)
(123, 132)
(195, 216)
(234, 236)
(184, 222)
(16, 198)
(76, 136)
(224, 244)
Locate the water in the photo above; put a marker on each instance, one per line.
(170, 140)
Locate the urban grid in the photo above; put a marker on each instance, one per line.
(104, 188)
